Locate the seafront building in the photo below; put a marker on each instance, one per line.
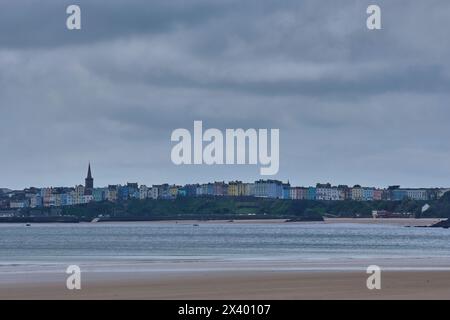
(271, 189)
(268, 189)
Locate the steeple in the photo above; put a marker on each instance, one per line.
(89, 175)
(89, 182)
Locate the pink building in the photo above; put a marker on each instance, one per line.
(377, 194)
(298, 193)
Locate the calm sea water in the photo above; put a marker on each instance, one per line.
(160, 241)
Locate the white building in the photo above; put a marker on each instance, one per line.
(143, 192)
(18, 204)
(87, 199)
(153, 192)
(327, 192)
(417, 194)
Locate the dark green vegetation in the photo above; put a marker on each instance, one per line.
(439, 208)
(241, 208)
(197, 208)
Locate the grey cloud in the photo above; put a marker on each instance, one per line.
(33, 24)
(352, 106)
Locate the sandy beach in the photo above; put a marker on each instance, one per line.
(244, 285)
(192, 280)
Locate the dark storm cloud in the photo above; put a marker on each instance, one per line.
(353, 106)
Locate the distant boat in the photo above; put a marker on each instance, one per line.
(195, 225)
(28, 225)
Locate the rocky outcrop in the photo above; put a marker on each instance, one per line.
(442, 224)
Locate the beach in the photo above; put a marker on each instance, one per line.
(245, 285)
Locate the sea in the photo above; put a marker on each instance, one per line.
(148, 246)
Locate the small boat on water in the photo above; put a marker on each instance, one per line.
(28, 225)
(195, 225)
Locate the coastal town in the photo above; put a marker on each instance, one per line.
(33, 197)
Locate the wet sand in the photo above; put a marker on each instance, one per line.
(244, 285)
(412, 278)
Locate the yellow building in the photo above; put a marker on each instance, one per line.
(357, 193)
(236, 189)
(173, 191)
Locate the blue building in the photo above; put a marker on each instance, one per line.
(398, 195)
(100, 194)
(182, 192)
(311, 195)
(133, 190)
(367, 194)
(189, 190)
(286, 193)
(164, 191)
(207, 189)
(123, 193)
(269, 189)
(66, 199)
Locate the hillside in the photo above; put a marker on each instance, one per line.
(242, 208)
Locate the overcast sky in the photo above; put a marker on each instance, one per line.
(352, 105)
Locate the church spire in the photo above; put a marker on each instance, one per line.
(89, 175)
(89, 182)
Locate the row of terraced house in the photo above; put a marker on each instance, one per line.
(274, 189)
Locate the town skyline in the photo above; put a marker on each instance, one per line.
(262, 188)
(259, 177)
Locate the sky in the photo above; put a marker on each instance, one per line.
(353, 106)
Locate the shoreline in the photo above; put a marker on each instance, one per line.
(407, 222)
